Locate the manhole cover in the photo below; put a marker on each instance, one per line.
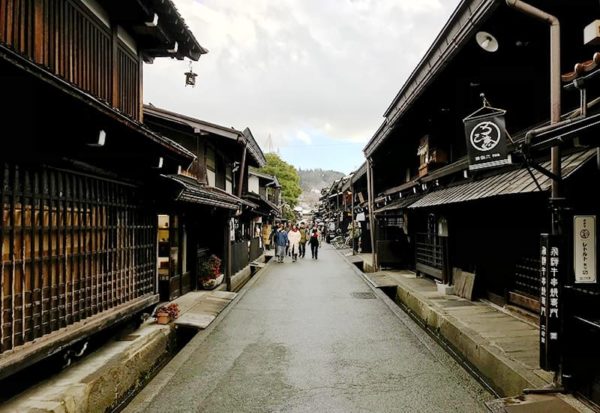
(363, 296)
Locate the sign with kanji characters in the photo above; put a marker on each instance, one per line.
(584, 249)
(550, 296)
(486, 139)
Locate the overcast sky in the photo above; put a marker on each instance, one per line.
(313, 75)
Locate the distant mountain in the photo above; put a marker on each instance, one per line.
(312, 181)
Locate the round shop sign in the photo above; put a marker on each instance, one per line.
(485, 136)
(584, 233)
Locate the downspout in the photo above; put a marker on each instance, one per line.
(242, 170)
(555, 99)
(560, 375)
(370, 194)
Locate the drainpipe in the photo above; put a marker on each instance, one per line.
(370, 189)
(561, 374)
(555, 99)
(242, 170)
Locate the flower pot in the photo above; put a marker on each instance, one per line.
(212, 283)
(163, 318)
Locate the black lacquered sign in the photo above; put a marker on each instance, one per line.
(550, 296)
(486, 138)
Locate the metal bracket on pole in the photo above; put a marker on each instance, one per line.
(544, 171)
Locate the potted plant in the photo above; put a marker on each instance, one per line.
(165, 313)
(210, 273)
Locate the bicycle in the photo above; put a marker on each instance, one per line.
(341, 242)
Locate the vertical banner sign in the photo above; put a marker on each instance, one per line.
(486, 138)
(550, 295)
(584, 249)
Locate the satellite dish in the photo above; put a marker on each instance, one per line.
(486, 41)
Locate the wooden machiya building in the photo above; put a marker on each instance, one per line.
(359, 205)
(78, 225)
(210, 203)
(265, 191)
(489, 220)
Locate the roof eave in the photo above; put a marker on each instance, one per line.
(457, 30)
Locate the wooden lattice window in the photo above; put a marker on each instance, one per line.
(71, 246)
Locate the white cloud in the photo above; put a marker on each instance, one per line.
(303, 137)
(284, 66)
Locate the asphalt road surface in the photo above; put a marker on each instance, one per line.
(312, 336)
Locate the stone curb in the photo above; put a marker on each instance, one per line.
(505, 375)
(105, 378)
(144, 398)
(98, 383)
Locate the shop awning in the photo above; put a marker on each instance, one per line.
(512, 182)
(193, 192)
(398, 204)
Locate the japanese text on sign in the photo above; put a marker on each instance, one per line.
(584, 249)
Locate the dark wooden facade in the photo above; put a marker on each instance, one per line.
(69, 40)
(493, 220)
(216, 206)
(72, 246)
(78, 230)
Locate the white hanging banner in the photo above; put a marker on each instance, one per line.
(584, 249)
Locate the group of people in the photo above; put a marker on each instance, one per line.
(291, 241)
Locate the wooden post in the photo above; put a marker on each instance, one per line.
(227, 250)
(370, 189)
(352, 215)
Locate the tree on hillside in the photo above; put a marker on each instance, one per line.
(287, 176)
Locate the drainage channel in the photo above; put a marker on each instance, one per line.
(183, 335)
(49, 368)
(472, 370)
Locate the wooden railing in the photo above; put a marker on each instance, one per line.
(431, 255)
(71, 246)
(71, 42)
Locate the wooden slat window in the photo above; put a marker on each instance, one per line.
(129, 81)
(71, 246)
(73, 43)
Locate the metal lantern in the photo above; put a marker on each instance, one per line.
(190, 77)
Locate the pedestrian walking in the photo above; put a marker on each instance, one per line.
(303, 239)
(266, 236)
(314, 244)
(294, 241)
(272, 236)
(281, 240)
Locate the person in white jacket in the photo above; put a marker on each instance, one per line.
(294, 237)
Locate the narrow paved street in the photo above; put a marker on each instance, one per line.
(312, 337)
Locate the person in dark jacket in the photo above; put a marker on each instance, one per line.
(281, 240)
(314, 244)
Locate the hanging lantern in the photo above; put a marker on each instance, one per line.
(190, 77)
